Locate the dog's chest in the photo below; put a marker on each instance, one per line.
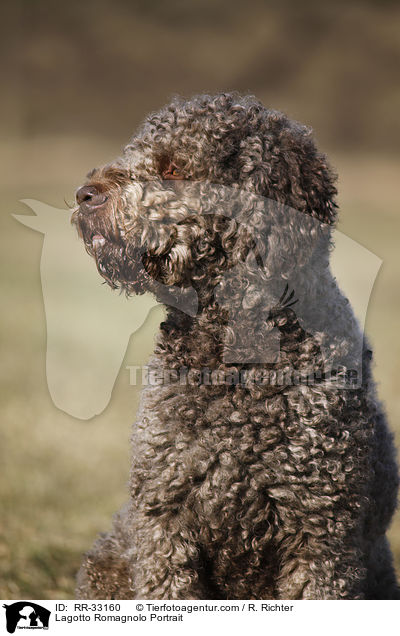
(217, 461)
(237, 468)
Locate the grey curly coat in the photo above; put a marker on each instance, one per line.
(239, 489)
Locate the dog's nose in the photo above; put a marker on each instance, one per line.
(89, 197)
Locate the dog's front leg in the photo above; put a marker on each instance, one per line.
(168, 565)
(106, 570)
(320, 568)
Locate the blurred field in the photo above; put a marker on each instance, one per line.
(333, 65)
(62, 478)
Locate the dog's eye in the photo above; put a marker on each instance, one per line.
(172, 172)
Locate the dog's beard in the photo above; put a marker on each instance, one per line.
(118, 262)
(122, 266)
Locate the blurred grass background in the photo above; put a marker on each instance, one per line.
(77, 78)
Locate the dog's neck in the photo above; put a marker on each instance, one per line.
(256, 330)
(218, 338)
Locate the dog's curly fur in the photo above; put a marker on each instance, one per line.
(239, 490)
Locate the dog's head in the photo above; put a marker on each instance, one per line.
(202, 183)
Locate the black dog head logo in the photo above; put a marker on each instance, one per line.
(27, 615)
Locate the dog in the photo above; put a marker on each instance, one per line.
(262, 467)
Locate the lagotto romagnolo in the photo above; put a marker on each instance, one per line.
(276, 478)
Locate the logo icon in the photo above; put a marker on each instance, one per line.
(26, 615)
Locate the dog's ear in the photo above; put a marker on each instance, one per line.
(282, 163)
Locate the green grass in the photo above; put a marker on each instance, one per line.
(63, 478)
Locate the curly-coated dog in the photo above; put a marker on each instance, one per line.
(262, 463)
